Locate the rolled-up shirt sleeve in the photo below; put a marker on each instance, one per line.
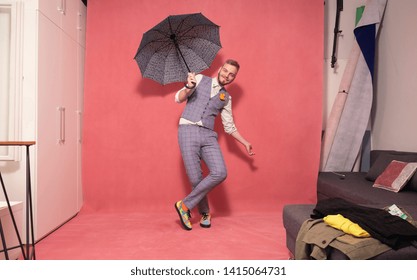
(198, 78)
(178, 93)
(227, 118)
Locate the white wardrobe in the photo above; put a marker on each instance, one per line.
(53, 78)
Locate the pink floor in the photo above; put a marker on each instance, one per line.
(134, 236)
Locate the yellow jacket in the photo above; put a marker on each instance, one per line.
(345, 225)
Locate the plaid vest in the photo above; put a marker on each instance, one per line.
(201, 107)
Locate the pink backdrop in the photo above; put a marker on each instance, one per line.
(131, 159)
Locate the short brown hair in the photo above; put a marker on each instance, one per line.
(233, 62)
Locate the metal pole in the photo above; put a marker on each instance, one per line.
(336, 31)
(29, 205)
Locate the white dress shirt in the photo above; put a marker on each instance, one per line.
(226, 113)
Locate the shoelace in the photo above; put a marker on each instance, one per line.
(205, 216)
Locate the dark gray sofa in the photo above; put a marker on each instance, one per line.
(356, 187)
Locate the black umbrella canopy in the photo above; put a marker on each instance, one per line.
(176, 46)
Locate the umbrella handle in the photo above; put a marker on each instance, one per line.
(193, 86)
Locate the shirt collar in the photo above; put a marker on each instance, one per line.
(215, 84)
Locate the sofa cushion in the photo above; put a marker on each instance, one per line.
(293, 217)
(383, 158)
(395, 176)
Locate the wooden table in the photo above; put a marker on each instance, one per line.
(30, 240)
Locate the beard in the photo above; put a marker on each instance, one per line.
(219, 80)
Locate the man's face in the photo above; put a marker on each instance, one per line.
(227, 73)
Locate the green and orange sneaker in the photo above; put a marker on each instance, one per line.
(184, 214)
(205, 220)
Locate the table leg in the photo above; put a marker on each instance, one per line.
(12, 216)
(29, 209)
(3, 241)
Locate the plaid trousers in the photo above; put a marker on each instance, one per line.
(199, 143)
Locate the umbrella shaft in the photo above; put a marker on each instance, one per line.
(174, 39)
(179, 51)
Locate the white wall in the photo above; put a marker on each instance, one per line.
(395, 97)
(394, 122)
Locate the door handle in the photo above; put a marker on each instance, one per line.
(61, 111)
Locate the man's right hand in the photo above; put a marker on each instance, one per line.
(191, 81)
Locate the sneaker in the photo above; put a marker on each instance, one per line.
(185, 216)
(205, 220)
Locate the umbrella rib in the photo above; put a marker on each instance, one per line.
(150, 42)
(191, 28)
(184, 32)
(167, 45)
(185, 38)
(158, 41)
(163, 33)
(179, 27)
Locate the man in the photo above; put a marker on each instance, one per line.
(206, 97)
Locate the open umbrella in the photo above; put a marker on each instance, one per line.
(176, 46)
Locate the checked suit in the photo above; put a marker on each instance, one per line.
(198, 141)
